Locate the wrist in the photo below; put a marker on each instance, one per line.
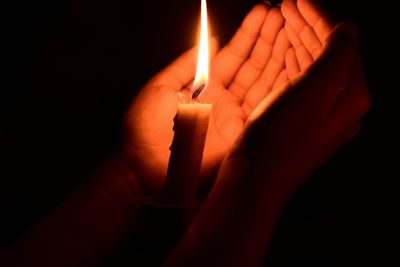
(114, 178)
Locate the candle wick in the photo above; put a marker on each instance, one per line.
(197, 91)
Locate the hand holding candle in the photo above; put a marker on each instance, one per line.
(282, 142)
(289, 134)
(237, 84)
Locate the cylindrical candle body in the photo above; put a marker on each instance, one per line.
(190, 127)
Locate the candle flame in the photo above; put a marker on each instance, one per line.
(201, 78)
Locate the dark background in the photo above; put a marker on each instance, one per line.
(71, 69)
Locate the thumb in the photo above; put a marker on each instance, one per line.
(330, 72)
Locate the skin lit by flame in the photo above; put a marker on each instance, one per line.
(201, 78)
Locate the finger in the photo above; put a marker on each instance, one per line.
(281, 79)
(316, 90)
(354, 100)
(228, 61)
(334, 65)
(292, 35)
(267, 79)
(316, 17)
(351, 105)
(260, 55)
(305, 32)
(292, 65)
(304, 57)
(181, 72)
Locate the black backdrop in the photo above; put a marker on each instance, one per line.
(72, 67)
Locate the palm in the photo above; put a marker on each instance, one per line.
(242, 74)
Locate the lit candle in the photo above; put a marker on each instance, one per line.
(190, 127)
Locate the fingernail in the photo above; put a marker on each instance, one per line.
(268, 3)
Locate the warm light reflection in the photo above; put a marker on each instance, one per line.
(201, 78)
